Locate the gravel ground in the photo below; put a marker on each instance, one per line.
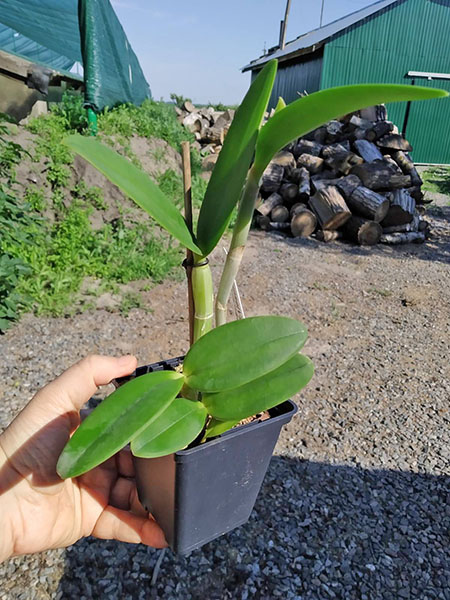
(356, 503)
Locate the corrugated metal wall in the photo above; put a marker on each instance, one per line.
(413, 35)
(296, 77)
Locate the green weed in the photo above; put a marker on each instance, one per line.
(129, 301)
(72, 111)
(436, 179)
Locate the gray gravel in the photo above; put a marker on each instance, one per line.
(356, 503)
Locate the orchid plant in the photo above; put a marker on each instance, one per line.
(233, 370)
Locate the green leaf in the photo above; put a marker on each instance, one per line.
(173, 430)
(309, 112)
(135, 184)
(228, 178)
(238, 352)
(216, 427)
(280, 105)
(263, 393)
(117, 420)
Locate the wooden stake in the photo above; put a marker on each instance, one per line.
(187, 184)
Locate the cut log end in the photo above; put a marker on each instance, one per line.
(303, 223)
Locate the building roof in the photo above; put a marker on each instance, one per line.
(308, 41)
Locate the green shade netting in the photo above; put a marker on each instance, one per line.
(59, 33)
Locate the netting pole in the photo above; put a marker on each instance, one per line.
(92, 121)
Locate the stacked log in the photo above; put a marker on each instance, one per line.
(209, 128)
(351, 178)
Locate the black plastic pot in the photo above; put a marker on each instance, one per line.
(202, 492)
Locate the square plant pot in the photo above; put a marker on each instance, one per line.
(200, 493)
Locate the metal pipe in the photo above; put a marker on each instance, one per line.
(321, 13)
(284, 25)
(408, 109)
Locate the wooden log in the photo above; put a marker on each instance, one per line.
(307, 147)
(407, 166)
(367, 203)
(416, 193)
(404, 161)
(338, 148)
(193, 122)
(380, 129)
(368, 151)
(374, 175)
(390, 161)
(314, 164)
(413, 226)
(394, 141)
(334, 131)
(359, 123)
(347, 185)
(266, 224)
(269, 204)
(320, 184)
(279, 226)
(320, 135)
(328, 236)
(362, 231)
(326, 174)
(402, 209)
(374, 113)
(285, 159)
(289, 192)
(416, 179)
(213, 135)
(303, 222)
(424, 226)
(411, 237)
(296, 208)
(279, 214)
(272, 177)
(304, 185)
(330, 208)
(400, 181)
(358, 134)
(380, 175)
(188, 106)
(263, 222)
(343, 162)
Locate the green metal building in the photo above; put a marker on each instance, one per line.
(378, 44)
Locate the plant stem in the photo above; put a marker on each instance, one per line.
(202, 288)
(237, 246)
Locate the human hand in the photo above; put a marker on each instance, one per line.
(38, 510)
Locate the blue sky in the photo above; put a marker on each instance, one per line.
(197, 48)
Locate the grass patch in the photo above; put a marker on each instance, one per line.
(43, 264)
(436, 179)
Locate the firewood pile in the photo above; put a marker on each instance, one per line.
(209, 128)
(350, 179)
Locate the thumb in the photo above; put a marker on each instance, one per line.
(55, 408)
(75, 386)
(68, 392)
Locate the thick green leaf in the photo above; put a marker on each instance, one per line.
(173, 430)
(216, 427)
(309, 112)
(238, 352)
(263, 393)
(135, 184)
(280, 105)
(117, 420)
(228, 178)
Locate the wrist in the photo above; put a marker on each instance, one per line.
(6, 537)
